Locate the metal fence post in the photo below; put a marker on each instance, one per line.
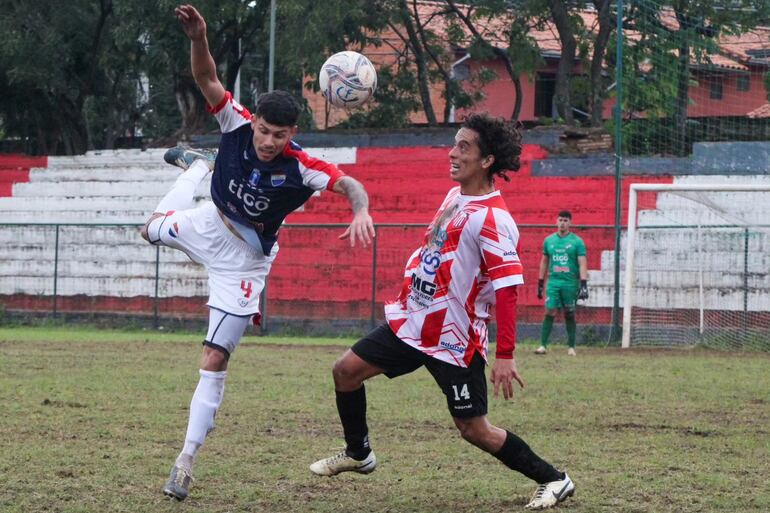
(745, 278)
(157, 280)
(55, 270)
(263, 307)
(374, 280)
(618, 115)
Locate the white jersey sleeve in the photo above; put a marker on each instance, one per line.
(230, 114)
(498, 242)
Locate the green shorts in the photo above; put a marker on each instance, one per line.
(561, 296)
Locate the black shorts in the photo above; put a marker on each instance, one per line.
(465, 388)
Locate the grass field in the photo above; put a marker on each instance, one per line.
(92, 421)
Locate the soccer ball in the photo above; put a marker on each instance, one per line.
(347, 79)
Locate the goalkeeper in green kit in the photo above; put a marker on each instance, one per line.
(564, 257)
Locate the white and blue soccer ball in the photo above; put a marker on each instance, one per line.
(347, 79)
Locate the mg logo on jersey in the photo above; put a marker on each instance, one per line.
(423, 286)
(252, 204)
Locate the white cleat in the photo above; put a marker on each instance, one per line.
(184, 157)
(550, 494)
(343, 463)
(571, 351)
(541, 350)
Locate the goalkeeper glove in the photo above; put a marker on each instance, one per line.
(583, 292)
(540, 289)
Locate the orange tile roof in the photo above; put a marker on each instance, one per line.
(760, 112)
(733, 53)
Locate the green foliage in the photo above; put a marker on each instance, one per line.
(656, 80)
(83, 74)
(394, 100)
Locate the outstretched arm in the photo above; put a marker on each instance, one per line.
(204, 68)
(361, 228)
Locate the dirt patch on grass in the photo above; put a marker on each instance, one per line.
(633, 426)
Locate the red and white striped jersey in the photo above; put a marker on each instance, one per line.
(469, 251)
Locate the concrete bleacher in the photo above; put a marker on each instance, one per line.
(315, 274)
(115, 188)
(687, 237)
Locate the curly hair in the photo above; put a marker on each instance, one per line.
(498, 138)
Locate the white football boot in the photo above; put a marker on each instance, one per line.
(550, 494)
(184, 157)
(541, 350)
(571, 351)
(343, 463)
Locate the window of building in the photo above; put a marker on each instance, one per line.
(545, 88)
(743, 83)
(715, 92)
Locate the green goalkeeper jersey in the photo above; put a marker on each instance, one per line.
(562, 254)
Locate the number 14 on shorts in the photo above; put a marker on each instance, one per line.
(462, 392)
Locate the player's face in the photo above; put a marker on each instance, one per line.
(563, 224)
(270, 140)
(465, 160)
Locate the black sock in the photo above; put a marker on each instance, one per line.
(516, 455)
(352, 409)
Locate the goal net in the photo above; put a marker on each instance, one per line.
(697, 264)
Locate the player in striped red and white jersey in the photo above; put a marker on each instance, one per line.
(468, 262)
(469, 251)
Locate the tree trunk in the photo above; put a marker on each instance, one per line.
(682, 85)
(419, 57)
(566, 62)
(518, 101)
(514, 78)
(597, 62)
(192, 107)
(499, 52)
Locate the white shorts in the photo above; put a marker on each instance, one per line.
(236, 270)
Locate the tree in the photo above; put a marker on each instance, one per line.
(566, 25)
(521, 54)
(600, 42)
(673, 37)
(407, 19)
(50, 60)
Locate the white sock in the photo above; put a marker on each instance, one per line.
(203, 408)
(181, 195)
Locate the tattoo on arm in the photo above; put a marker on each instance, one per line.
(355, 192)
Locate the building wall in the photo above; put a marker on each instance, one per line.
(733, 102)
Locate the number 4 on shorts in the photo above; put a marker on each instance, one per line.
(246, 288)
(463, 392)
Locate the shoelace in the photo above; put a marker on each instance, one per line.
(338, 458)
(540, 491)
(181, 475)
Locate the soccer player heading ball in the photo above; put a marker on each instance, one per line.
(467, 262)
(260, 176)
(564, 257)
